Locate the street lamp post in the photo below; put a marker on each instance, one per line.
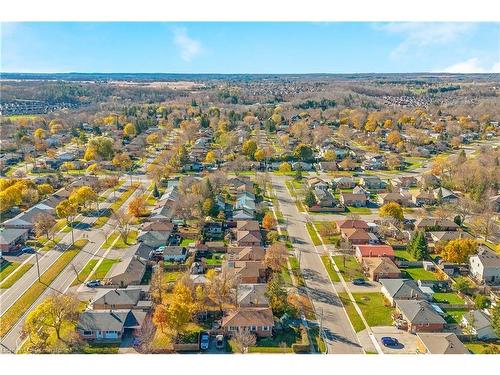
(37, 265)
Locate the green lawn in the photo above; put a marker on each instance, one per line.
(131, 240)
(359, 210)
(312, 233)
(417, 273)
(14, 313)
(354, 317)
(404, 255)
(451, 298)
(103, 269)
(329, 268)
(109, 240)
(329, 240)
(285, 275)
(294, 265)
(351, 270)
(454, 316)
(375, 309)
(6, 268)
(85, 272)
(186, 241)
(19, 271)
(283, 338)
(478, 347)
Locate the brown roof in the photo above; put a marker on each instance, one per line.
(249, 268)
(442, 343)
(360, 224)
(353, 197)
(158, 226)
(252, 236)
(380, 265)
(356, 234)
(249, 316)
(248, 225)
(246, 253)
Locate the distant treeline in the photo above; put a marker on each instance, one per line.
(323, 104)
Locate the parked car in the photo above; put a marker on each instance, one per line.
(359, 281)
(204, 340)
(93, 283)
(219, 342)
(27, 250)
(389, 341)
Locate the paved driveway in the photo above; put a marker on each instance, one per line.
(408, 341)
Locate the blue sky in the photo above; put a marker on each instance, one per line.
(250, 47)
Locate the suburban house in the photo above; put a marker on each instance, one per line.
(327, 166)
(420, 316)
(324, 200)
(351, 199)
(243, 215)
(258, 320)
(445, 195)
(246, 253)
(404, 181)
(248, 272)
(485, 266)
(371, 182)
(374, 251)
(358, 236)
(401, 289)
(248, 238)
(398, 197)
(252, 295)
(129, 271)
(445, 236)
(435, 224)
(109, 325)
(133, 297)
(11, 239)
(317, 183)
(478, 323)
(361, 190)
(345, 224)
(440, 343)
(380, 268)
(423, 198)
(154, 238)
(174, 253)
(344, 182)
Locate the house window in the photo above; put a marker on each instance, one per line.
(232, 328)
(265, 328)
(253, 328)
(87, 333)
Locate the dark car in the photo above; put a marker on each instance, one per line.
(93, 283)
(219, 342)
(389, 341)
(359, 281)
(27, 250)
(204, 340)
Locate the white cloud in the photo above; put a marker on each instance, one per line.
(472, 65)
(189, 47)
(417, 34)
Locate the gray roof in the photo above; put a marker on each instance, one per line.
(127, 265)
(9, 235)
(154, 236)
(252, 294)
(110, 320)
(488, 258)
(419, 312)
(118, 297)
(442, 343)
(174, 250)
(480, 319)
(402, 289)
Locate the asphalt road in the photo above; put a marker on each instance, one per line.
(339, 336)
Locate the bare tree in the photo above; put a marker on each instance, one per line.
(276, 256)
(243, 340)
(44, 224)
(122, 219)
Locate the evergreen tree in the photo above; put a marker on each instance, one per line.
(156, 192)
(310, 199)
(277, 295)
(420, 250)
(298, 173)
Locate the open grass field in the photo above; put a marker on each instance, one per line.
(375, 309)
(14, 313)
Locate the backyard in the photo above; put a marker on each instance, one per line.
(418, 273)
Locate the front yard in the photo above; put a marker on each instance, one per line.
(375, 308)
(349, 267)
(354, 317)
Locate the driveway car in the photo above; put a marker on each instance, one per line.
(389, 341)
(93, 283)
(204, 340)
(359, 281)
(219, 342)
